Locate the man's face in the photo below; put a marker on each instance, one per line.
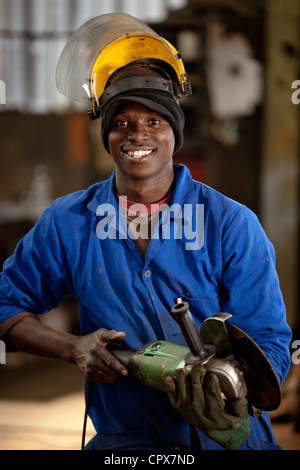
(141, 142)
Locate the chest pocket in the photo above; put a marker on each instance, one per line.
(201, 308)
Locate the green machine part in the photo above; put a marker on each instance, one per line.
(159, 361)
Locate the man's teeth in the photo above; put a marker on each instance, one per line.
(139, 153)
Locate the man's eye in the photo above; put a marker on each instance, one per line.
(154, 121)
(120, 123)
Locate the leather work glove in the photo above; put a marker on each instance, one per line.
(197, 397)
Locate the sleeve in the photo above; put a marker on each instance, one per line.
(251, 290)
(34, 277)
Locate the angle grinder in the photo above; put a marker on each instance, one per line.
(222, 348)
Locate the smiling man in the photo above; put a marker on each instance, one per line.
(127, 285)
(141, 142)
(153, 129)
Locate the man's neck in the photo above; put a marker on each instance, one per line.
(144, 191)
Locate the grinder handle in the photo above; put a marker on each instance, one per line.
(183, 316)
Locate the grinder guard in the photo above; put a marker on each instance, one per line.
(262, 382)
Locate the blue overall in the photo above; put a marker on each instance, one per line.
(229, 267)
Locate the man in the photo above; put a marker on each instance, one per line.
(127, 281)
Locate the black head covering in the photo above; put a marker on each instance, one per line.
(147, 86)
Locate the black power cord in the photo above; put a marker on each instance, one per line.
(86, 412)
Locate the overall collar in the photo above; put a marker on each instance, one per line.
(183, 192)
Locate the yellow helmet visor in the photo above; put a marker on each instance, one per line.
(103, 45)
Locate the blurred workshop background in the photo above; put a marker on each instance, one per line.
(241, 137)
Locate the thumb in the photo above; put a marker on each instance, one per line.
(239, 407)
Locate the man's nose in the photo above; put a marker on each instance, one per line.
(138, 131)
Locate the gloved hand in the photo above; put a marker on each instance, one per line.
(197, 397)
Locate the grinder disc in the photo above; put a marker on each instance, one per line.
(262, 382)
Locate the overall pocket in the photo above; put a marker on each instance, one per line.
(201, 308)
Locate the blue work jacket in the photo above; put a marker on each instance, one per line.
(230, 267)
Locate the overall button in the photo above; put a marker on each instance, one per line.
(148, 273)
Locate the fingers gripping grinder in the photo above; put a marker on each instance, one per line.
(222, 348)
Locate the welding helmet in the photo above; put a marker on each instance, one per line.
(104, 45)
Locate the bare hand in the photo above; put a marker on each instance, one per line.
(95, 362)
